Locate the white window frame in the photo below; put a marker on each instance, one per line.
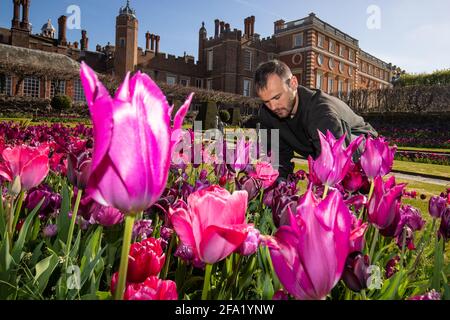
(32, 87)
(320, 40)
(332, 46)
(296, 37)
(210, 59)
(331, 64)
(350, 55)
(61, 90)
(320, 59)
(187, 82)
(7, 90)
(340, 87)
(341, 67)
(341, 50)
(330, 85)
(350, 71)
(170, 76)
(246, 88)
(248, 59)
(370, 69)
(319, 80)
(209, 84)
(78, 91)
(199, 83)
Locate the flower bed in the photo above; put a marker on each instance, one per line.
(125, 211)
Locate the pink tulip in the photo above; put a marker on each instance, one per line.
(30, 164)
(213, 225)
(133, 141)
(378, 157)
(357, 235)
(334, 161)
(309, 254)
(150, 289)
(265, 173)
(382, 207)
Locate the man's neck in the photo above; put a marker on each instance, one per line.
(294, 110)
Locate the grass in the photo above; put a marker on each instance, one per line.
(437, 150)
(424, 168)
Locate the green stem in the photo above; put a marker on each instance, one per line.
(363, 294)
(372, 186)
(374, 242)
(72, 224)
(123, 269)
(403, 247)
(206, 282)
(17, 211)
(325, 192)
(169, 252)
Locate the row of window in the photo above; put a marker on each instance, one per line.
(247, 59)
(31, 87)
(331, 64)
(332, 47)
(373, 71)
(331, 84)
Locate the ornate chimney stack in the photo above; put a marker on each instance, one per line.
(147, 41)
(84, 42)
(157, 44)
(216, 28)
(62, 40)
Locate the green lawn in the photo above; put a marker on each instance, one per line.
(425, 168)
(437, 150)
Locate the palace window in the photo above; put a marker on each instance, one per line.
(247, 87)
(171, 80)
(341, 50)
(31, 87)
(184, 82)
(199, 83)
(330, 85)
(320, 41)
(78, 91)
(248, 60)
(319, 80)
(57, 87)
(209, 59)
(5, 84)
(297, 40)
(331, 63)
(341, 67)
(332, 46)
(320, 59)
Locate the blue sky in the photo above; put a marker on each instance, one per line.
(412, 34)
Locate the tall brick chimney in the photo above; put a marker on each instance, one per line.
(25, 24)
(84, 42)
(227, 27)
(246, 26)
(152, 42)
(252, 25)
(222, 27)
(16, 16)
(147, 41)
(278, 25)
(62, 39)
(157, 44)
(216, 28)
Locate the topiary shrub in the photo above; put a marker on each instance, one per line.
(61, 103)
(224, 116)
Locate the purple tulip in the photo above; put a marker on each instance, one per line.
(249, 184)
(134, 141)
(334, 161)
(354, 179)
(432, 295)
(410, 221)
(78, 169)
(142, 229)
(378, 157)
(383, 203)
(251, 244)
(444, 228)
(436, 206)
(309, 254)
(391, 267)
(105, 216)
(281, 207)
(356, 273)
(50, 231)
(357, 240)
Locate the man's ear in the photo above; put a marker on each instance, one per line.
(294, 82)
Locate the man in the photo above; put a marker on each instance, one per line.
(298, 113)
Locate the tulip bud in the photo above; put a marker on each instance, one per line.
(356, 273)
(444, 228)
(436, 206)
(249, 184)
(251, 244)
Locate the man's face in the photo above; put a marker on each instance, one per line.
(279, 95)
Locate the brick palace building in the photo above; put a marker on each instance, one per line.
(320, 55)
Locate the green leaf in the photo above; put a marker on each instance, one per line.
(18, 245)
(63, 221)
(104, 295)
(390, 288)
(438, 265)
(2, 216)
(5, 257)
(44, 270)
(37, 253)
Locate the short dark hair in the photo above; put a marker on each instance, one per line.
(270, 67)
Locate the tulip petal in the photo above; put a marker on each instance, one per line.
(34, 172)
(182, 224)
(178, 119)
(220, 241)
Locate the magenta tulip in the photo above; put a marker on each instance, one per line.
(309, 254)
(133, 141)
(378, 157)
(334, 161)
(213, 225)
(383, 203)
(30, 165)
(436, 206)
(265, 173)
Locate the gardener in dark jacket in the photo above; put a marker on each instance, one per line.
(298, 113)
